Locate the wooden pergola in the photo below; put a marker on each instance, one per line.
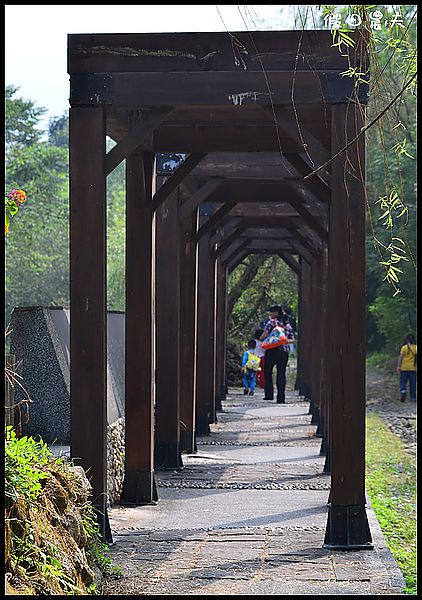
(275, 163)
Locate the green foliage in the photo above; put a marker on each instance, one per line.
(37, 552)
(58, 131)
(24, 459)
(41, 562)
(394, 318)
(21, 118)
(95, 549)
(391, 487)
(37, 264)
(272, 283)
(116, 237)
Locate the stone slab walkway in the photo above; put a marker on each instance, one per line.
(246, 516)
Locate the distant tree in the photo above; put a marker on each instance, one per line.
(58, 131)
(37, 262)
(21, 118)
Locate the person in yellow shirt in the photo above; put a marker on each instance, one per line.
(406, 368)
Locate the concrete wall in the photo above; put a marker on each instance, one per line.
(40, 342)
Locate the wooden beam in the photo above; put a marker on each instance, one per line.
(213, 221)
(226, 243)
(313, 223)
(302, 251)
(176, 178)
(320, 183)
(290, 261)
(192, 51)
(303, 137)
(198, 197)
(211, 88)
(224, 138)
(236, 261)
(139, 136)
(233, 250)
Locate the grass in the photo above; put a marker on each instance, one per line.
(391, 487)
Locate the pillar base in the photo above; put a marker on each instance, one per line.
(324, 445)
(327, 464)
(139, 488)
(320, 429)
(188, 442)
(203, 425)
(104, 523)
(167, 456)
(315, 415)
(347, 529)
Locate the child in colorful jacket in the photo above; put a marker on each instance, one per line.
(250, 367)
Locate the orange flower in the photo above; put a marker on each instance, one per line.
(6, 229)
(19, 196)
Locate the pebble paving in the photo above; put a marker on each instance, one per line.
(246, 515)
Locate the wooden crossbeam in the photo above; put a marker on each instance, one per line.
(303, 248)
(227, 225)
(226, 243)
(237, 260)
(230, 253)
(140, 136)
(320, 183)
(176, 178)
(313, 223)
(214, 220)
(288, 258)
(213, 88)
(199, 196)
(316, 152)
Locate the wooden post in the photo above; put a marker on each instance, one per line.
(188, 325)
(306, 325)
(167, 292)
(88, 324)
(212, 361)
(139, 482)
(347, 526)
(204, 398)
(220, 333)
(323, 355)
(315, 347)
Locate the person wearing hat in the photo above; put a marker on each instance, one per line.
(277, 357)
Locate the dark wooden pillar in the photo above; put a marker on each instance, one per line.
(212, 364)
(139, 482)
(88, 309)
(188, 324)
(305, 328)
(204, 397)
(323, 358)
(220, 332)
(347, 526)
(299, 360)
(315, 349)
(167, 293)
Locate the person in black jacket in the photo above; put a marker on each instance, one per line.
(275, 357)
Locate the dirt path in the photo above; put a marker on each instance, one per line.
(383, 397)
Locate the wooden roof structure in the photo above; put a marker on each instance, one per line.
(275, 162)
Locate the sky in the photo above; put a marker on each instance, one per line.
(36, 37)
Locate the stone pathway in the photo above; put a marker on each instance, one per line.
(246, 515)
